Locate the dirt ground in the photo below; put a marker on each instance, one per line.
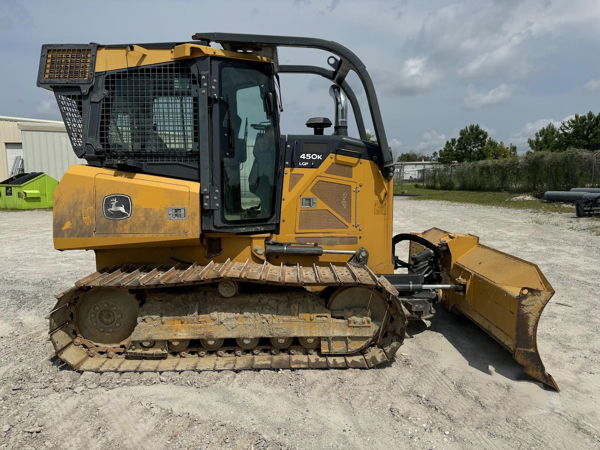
(450, 386)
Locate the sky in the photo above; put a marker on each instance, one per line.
(438, 65)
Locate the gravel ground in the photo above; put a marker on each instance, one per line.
(450, 386)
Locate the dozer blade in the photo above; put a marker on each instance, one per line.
(502, 294)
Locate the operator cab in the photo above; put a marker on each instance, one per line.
(194, 112)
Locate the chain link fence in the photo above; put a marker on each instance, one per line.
(534, 172)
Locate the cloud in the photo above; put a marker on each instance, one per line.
(490, 131)
(421, 55)
(396, 147)
(5, 23)
(396, 8)
(415, 77)
(395, 144)
(476, 99)
(48, 109)
(498, 60)
(503, 39)
(472, 35)
(11, 12)
(528, 131)
(592, 85)
(432, 141)
(318, 85)
(334, 4)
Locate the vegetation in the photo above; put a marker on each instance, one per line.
(534, 172)
(474, 144)
(546, 140)
(580, 131)
(503, 199)
(561, 158)
(413, 156)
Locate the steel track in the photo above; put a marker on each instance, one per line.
(75, 351)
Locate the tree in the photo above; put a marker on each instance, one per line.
(371, 137)
(471, 143)
(497, 150)
(470, 146)
(412, 156)
(581, 131)
(474, 144)
(448, 154)
(546, 139)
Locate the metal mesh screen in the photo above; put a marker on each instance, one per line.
(71, 109)
(150, 113)
(68, 64)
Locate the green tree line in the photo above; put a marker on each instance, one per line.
(580, 131)
(561, 157)
(536, 171)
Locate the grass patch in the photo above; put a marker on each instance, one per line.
(503, 199)
(594, 230)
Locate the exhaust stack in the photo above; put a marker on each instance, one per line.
(341, 110)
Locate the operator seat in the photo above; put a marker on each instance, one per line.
(232, 186)
(261, 178)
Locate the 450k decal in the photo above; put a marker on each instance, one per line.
(315, 156)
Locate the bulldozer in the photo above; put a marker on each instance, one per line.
(222, 244)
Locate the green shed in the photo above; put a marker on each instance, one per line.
(27, 191)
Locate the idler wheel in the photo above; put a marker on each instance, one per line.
(247, 343)
(212, 344)
(281, 343)
(107, 315)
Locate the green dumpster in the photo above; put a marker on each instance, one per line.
(27, 191)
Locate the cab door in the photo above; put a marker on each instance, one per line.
(246, 163)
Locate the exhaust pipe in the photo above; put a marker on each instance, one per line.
(341, 110)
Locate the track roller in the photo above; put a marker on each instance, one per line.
(309, 343)
(179, 346)
(212, 344)
(247, 343)
(281, 343)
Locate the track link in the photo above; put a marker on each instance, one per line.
(83, 355)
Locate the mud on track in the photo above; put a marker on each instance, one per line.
(450, 385)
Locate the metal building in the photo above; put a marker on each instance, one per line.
(43, 144)
(10, 143)
(47, 148)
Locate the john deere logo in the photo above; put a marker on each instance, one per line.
(116, 207)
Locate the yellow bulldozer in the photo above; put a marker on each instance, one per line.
(222, 244)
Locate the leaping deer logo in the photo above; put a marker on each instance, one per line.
(114, 207)
(117, 206)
